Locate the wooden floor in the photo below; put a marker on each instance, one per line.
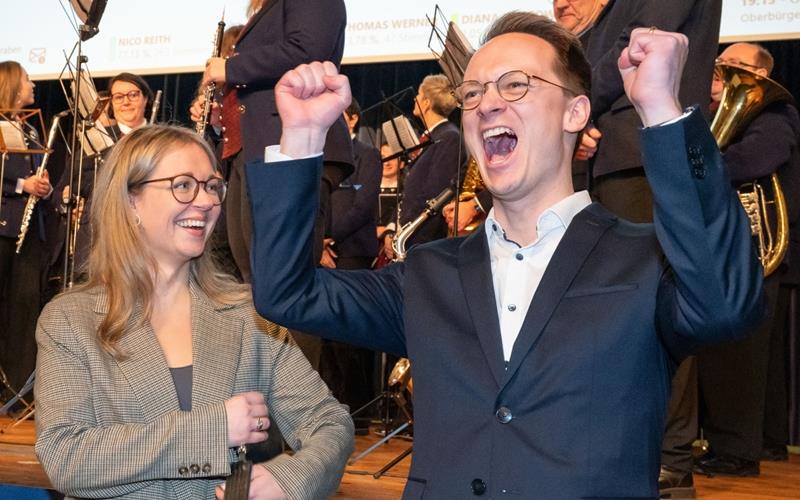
(18, 465)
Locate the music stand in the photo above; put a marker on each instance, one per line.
(453, 52)
(89, 12)
(90, 139)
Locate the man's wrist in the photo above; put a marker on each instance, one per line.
(302, 142)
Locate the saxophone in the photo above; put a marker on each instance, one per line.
(208, 92)
(471, 185)
(32, 199)
(432, 207)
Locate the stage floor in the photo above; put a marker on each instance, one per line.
(18, 466)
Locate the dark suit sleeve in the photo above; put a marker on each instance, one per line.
(765, 145)
(606, 80)
(358, 307)
(311, 28)
(365, 202)
(16, 167)
(713, 289)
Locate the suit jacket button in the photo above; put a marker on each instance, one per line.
(242, 108)
(206, 468)
(478, 487)
(183, 471)
(223, 129)
(503, 415)
(195, 468)
(224, 139)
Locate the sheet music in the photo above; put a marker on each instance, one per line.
(401, 135)
(12, 135)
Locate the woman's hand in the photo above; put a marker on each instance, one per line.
(247, 419)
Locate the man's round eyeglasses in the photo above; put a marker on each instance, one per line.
(511, 86)
(185, 188)
(133, 96)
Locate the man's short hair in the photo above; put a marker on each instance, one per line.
(438, 89)
(763, 58)
(570, 64)
(354, 109)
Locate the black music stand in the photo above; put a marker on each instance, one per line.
(89, 12)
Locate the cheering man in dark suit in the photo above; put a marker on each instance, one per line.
(543, 341)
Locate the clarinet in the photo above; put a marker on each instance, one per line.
(32, 199)
(156, 105)
(208, 92)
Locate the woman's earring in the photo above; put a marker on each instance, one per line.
(138, 220)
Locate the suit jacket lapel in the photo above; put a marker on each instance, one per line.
(146, 369)
(581, 237)
(475, 270)
(216, 344)
(255, 17)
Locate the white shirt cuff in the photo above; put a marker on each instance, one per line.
(20, 185)
(687, 112)
(273, 154)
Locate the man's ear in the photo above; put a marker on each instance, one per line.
(577, 114)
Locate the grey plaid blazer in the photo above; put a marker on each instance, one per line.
(109, 428)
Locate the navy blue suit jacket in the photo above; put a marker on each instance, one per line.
(618, 305)
(282, 35)
(354, 205)
(612, 112)
(17, 166)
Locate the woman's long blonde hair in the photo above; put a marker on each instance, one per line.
(120, 262)
(10, 83)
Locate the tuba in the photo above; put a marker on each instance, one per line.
(745, 94)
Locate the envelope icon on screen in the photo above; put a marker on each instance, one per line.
(37, 55)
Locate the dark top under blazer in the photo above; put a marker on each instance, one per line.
(284, 34)
(618, 304)
(612, 112)
(354, 205)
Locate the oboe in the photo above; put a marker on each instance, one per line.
(32, 198)
(156, 105)
(208, 93)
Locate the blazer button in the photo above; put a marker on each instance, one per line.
(224, 139)
(242, 108)
(195, 468)
(503, 415)
(223, 129)
(478, 487)
(206, 468)
(183, 471)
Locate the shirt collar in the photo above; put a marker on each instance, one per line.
(559, 215)
(430, 129)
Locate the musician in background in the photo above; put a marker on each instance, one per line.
(438, 163)
(20, 274)
(131, 104)
(131, 100)
(735, 377)
(387, 200)
(231, 239)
